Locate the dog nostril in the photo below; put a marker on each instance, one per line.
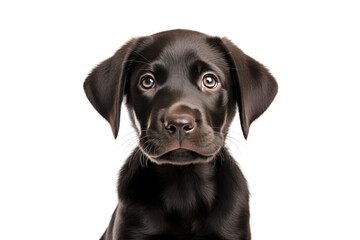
(187, 128)
(171, 128)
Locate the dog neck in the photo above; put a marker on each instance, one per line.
(187, 187)
(183, 189)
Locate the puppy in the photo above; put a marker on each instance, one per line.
(182, 89)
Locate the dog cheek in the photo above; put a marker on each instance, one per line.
(136, 122)
(218, 111)
(142, 113)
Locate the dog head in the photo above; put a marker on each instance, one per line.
(182, 89)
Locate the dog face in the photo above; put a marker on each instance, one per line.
(182, 89)
(180, 92)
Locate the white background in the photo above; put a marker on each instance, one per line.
(59, 161)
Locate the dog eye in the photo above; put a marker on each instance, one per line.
(147, 82)
(209, 81)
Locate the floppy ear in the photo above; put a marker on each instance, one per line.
(255, 87)
(105, 85)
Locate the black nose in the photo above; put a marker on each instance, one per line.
(179, 125)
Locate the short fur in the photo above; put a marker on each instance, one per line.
(181, 182)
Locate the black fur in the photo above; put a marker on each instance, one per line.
(181, 182)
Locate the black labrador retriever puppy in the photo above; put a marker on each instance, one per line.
(182, 88)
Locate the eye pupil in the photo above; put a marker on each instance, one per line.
(209, 82)
(148, 82)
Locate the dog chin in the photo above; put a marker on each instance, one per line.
(181, 157)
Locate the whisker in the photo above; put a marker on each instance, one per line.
(141, 55)
(137, 61)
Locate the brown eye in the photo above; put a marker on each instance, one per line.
(209, 81)
(147, 82)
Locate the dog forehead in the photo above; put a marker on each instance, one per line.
(187, 49)
(176, 46)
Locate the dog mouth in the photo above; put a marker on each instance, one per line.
(202, 148)
(181, 156)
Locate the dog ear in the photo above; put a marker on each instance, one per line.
(105, 85)
(255, 87)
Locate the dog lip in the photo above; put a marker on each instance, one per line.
(184, 149)
(182, 152)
